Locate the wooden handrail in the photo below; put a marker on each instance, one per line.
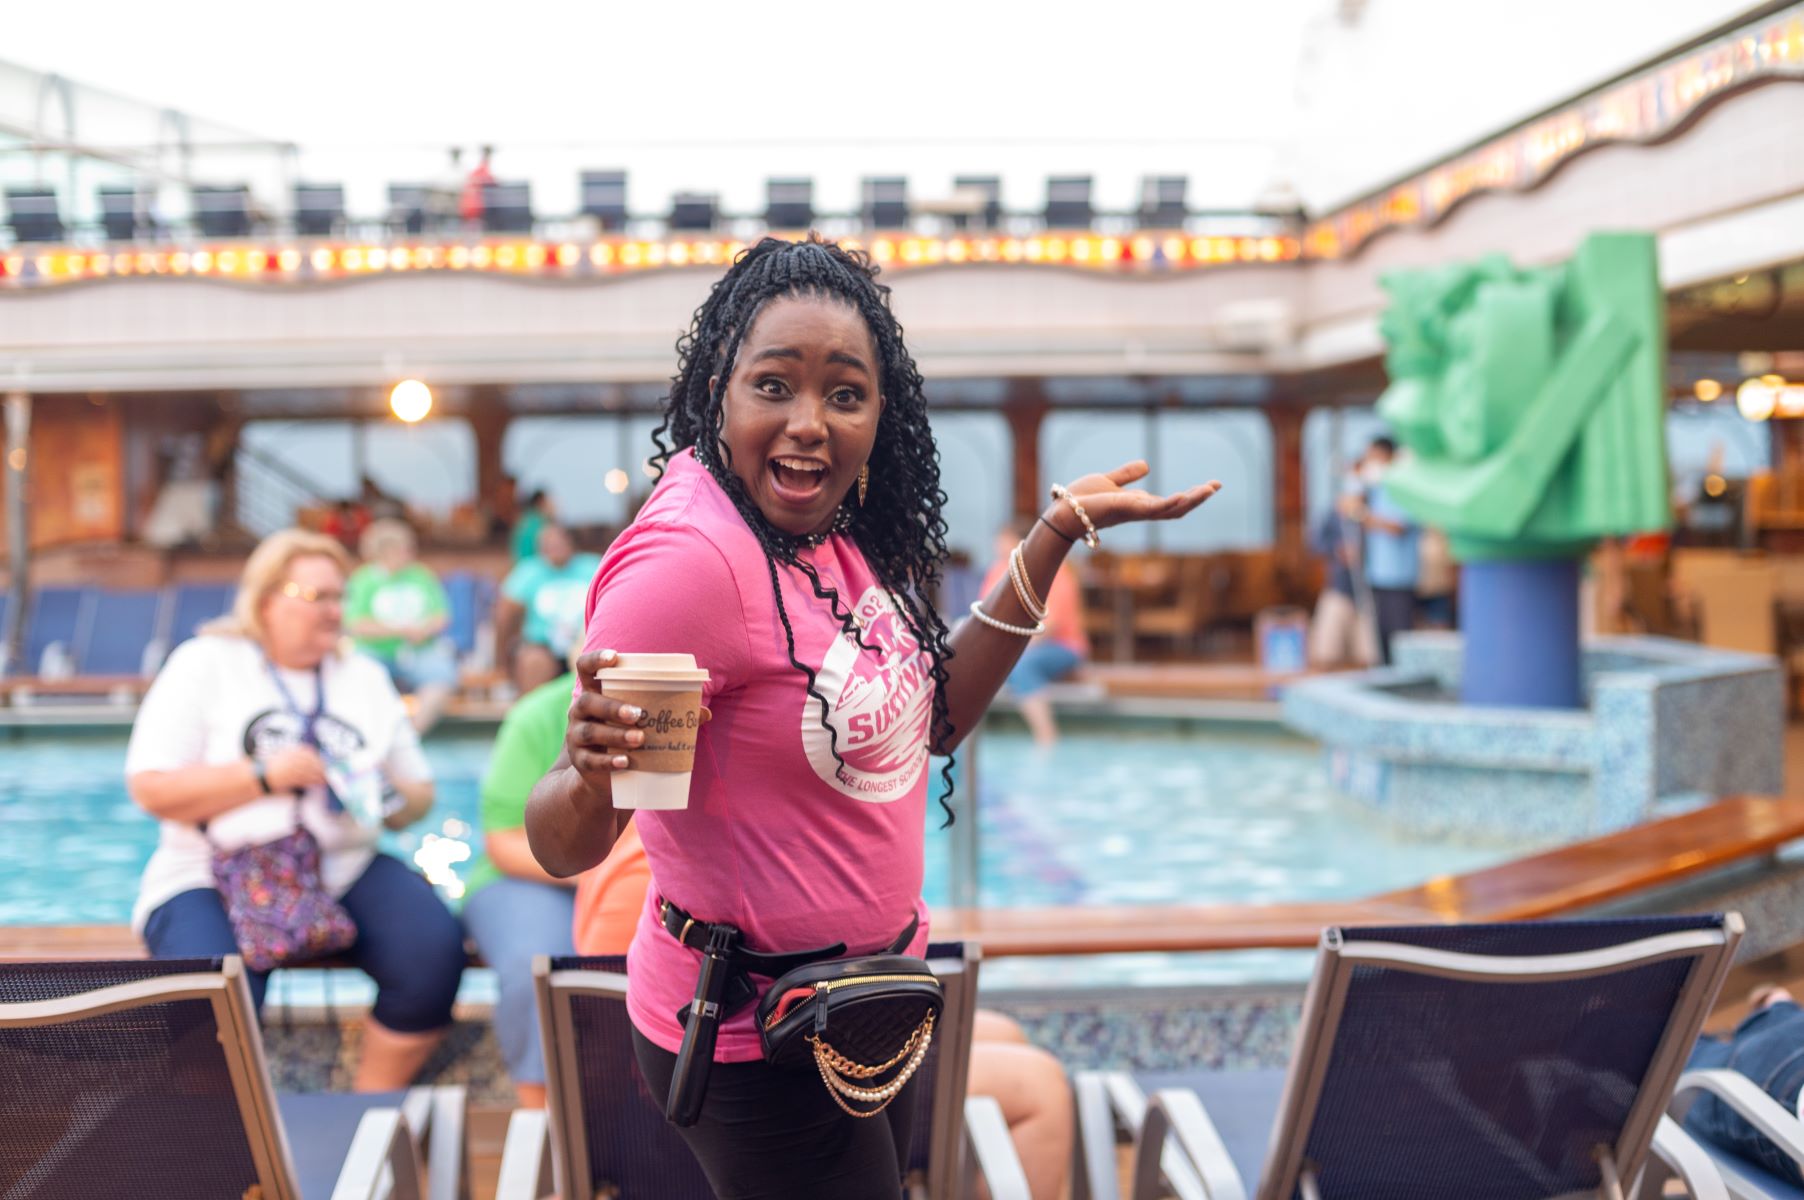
(1558, 882)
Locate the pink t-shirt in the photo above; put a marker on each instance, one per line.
(795, 849)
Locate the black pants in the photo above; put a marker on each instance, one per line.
(773, 1132)
(1396, 613)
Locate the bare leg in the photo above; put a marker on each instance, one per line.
(1030, 1086)
(1037, 711)
(390, 1060)
(429, 706)
(530, 1095)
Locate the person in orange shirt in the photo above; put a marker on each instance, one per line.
(1057, 653)
(470, 206)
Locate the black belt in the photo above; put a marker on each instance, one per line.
(694, 934)
(722, 988)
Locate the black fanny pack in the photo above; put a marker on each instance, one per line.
(866, 1021)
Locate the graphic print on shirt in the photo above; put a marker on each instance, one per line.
(880, 706)
(277, 729)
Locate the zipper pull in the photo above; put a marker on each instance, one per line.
(821, 991)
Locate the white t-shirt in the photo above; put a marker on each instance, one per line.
(215, 701)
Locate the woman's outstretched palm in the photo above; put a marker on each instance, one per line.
(1109, 501)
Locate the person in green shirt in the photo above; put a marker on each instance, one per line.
(513, 909)
(395, 610)
(540, 612)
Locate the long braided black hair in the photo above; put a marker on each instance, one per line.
(899, 527)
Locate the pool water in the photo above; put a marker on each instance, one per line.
(1128, 816)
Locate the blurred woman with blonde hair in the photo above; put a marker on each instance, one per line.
(273, 756)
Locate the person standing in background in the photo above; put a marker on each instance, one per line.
(1340, 631)
(480, 177)
(1392, 556)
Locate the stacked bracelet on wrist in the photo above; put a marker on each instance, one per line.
(1061, 492)
(1004, 626)
(1024, 587)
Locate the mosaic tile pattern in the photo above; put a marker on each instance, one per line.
(1664, 720)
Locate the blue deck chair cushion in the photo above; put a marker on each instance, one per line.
(124, 624)
(320, 1128)
(463, 594)
(195, 605)
(1242, 1105)
(55, 617)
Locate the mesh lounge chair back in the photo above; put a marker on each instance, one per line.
(407, 205)
(606, 1125)
(222, 210)
(469, 598)
(789, 203)
(319, 208)
(1495, 1060)
(693, 211)
(124, 625)
(507, 207)
(119, 212)
(159, 1077)
(885, 203)
(604, 197)
(34, 214)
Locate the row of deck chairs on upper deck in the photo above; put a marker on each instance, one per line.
(1537, 1061)
(35, 212)
(110, 642)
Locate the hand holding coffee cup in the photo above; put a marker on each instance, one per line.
(632, 728)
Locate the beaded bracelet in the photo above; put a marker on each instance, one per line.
(1024, 587)
(1061, 492)
(1004, 626)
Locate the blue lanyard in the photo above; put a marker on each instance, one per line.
(309, 734)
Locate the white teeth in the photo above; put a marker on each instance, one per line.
(799, 464)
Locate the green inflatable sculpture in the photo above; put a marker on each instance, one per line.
(1533, 401)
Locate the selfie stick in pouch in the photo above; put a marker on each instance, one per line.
(689, 1084)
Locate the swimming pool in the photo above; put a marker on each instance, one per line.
(1128, 815)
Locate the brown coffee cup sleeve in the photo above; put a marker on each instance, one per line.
(672, 720)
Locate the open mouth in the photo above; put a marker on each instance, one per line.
(798, 480)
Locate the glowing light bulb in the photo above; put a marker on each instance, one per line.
(411, 400)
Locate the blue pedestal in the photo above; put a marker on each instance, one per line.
(1520, 621)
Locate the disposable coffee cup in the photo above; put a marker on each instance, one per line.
(668, 687)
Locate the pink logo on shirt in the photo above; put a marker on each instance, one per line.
(880, 706)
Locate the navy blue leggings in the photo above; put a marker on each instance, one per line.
(407, 941)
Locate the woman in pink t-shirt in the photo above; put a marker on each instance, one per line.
(790, 546)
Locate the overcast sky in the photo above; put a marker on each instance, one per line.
(717, 96)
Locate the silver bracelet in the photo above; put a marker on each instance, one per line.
(1061, 492)
(1004, 626)
(1024, 587)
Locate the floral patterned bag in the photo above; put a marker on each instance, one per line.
(278, 905)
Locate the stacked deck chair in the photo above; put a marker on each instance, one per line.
(1747, 1170)
(1526, 1061)
(146, 1078)
(603, 1133)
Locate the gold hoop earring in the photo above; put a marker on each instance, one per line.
(864, 483)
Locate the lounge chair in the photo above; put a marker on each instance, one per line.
(603, 1130)
(1523, 1060)
(1744, 1179)
(146, 1077)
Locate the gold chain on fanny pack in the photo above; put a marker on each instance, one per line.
(835, 1068)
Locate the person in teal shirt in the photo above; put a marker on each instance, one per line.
(524, 540)
(396, 611)
(541, 605)
(513, 909)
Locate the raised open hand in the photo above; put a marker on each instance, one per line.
(1109, 501)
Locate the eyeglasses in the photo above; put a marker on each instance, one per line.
(311, 595)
